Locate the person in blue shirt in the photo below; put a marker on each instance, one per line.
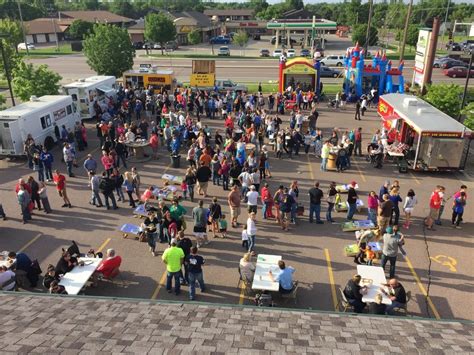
(284, 278)
(47, 160)
(458, 210)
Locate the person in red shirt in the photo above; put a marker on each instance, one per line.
(107, 162)
(60, 182)
(267, 201)
(435, 205)
(109, 267)
(154, 144)
(22, 182)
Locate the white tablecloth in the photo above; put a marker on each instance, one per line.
(261, 279)
(75, 280)
(377, 275)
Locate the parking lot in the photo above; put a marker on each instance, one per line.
(438, 262)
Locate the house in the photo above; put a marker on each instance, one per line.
(230, 14)
(44, 30)
(98, 16)
(185, 22)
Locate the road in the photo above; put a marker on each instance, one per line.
(73, 67)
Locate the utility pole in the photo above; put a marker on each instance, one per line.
(405, 31)
(446, 19)
(367, 35)
(464, 95)
(22, 28)
(7, 69)
(431, 54)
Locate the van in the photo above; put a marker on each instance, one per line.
(37, 117)
(85, 92)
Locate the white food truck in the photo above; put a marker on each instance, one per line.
(37, 117)
(86, 91)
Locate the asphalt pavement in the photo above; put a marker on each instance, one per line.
(315, 251)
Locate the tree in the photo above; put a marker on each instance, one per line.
(241, 38)
(2, 103)
(445, 97)
(159, 29)
(79, 29)
(29, 80)
(295, 4)
(123, 8)
(109, 50)
(359, 34)
(194, 37)
(258, 5)
(412, 35)
(13, 28)
(468, 112)
(12, 58)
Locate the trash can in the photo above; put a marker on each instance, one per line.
(175, 160)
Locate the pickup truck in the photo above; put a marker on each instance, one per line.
(226, 85)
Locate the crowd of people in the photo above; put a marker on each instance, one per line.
(237, 157)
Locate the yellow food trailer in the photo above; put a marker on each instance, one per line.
(150, 77)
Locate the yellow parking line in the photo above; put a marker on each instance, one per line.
(310, 167)
(331, 279)
(159, 286)
(360, 171)
(415, 178)
(104, 244)
(29, 243)
(422, 289)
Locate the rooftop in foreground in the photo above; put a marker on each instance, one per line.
(48, 324)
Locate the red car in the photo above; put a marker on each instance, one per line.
(458, 72)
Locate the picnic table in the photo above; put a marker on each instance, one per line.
(373, 277)
(138, 147)
(261, 278)
(75, 280)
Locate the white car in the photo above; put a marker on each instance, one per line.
(290, 53)
(333, 60)
(223, 51)
(23, 46)
(277, 53)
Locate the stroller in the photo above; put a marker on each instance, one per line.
(375, 159)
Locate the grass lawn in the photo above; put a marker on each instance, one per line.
(203, 56)
(64, 49)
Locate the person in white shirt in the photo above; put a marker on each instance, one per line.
(245, 179)
(299, 119)
(251, 231)
(245, 238)
(252, 200)
(256, 179)
(363, 106)
(7, 279)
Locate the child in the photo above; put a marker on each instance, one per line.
(369, 255)
(184, 188)
(245, 238)
(44, 197)
(223, 226)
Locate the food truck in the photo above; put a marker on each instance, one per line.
(37, 117)
(423, 136)
(149, 76)
(85, 92)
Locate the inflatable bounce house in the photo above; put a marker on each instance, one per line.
(300, 72)
(360, 78)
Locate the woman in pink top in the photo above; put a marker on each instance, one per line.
(372, 205)
(107, 162)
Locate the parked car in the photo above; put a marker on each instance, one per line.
(453, 46)
(452, 63)
(24, 45)
(326, 72)
(220, 40)
(173, 45)
(333, 60)
(466, 43)
(223, 51)
(305, 53)
(458, 72)
(256, 36)
(469, 48)
(277, 53)
(229, 85)
(290, 53)
(157, 46)
(264, 53)
(137, 45)
(438, 61)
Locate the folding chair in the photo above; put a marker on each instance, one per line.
(404, 309)
(292, 295)
(343, 302)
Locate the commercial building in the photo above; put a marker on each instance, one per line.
(230, 15)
